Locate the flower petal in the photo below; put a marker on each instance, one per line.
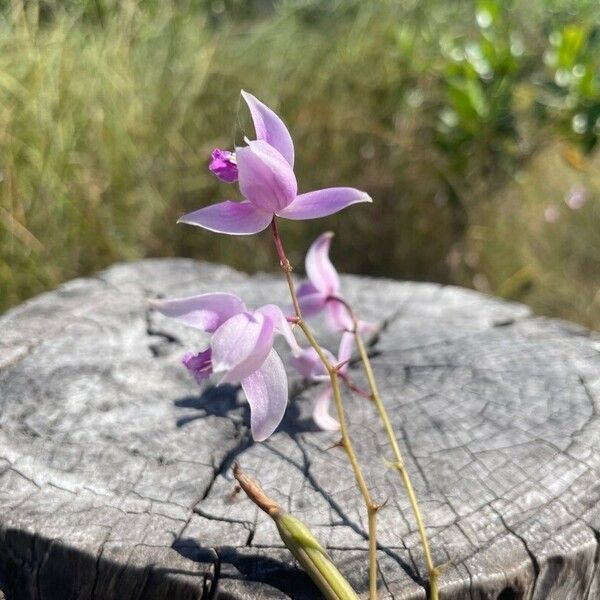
(310, 366)
(345, 350)
(311, 300)
(206, 311)
(267, 393)
(367, 328)
(322, 203)
(273, 312)
(235, 218)
(337, 317)
(265, 177)
(270, 128)
(321, 414)
(319, 269)
(312, 304)
(241, 345)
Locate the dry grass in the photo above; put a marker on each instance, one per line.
(106, 123)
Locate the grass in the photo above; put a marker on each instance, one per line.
(449, 114)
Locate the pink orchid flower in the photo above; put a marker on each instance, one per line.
(322, 290)
(264, 170)
(309, 365)
(241, 348)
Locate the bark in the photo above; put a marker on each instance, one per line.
(115, 467)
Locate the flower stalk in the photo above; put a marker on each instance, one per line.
(346, 441)
(300, 542)
(241, 346)
(398, 463)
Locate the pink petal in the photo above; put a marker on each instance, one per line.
(337, 317)
(319, 269)
(322, 203)
(273, 312)
(312, 304)
(270, 128)
(367, 328)
(206, 311)
(311, 300)
(241, 345)
(345, 350)
(265, 177)
(267, 393)
(321, 414)
(235, 218)
(310, 366)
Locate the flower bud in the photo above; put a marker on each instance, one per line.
(300, 542)
(313, 558)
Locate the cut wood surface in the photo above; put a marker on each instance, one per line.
(115, 467)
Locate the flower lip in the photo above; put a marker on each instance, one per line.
(199, 364)
(223, 165)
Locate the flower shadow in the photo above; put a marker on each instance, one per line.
(227, 401)
(217, 401)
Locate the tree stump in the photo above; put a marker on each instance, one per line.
(115, 467)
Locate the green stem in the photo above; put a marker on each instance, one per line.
(399, 465)
(372, 507)
(346, 442)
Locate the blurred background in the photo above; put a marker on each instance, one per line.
(473, 125)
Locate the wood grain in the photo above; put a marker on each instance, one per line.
(115, 467)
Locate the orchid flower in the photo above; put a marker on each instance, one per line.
(264, 169)
(241, 349)
(322, 290)
(310, 366)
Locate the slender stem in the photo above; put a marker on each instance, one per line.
(287, 269)
(399, 466)
(372, 508)
(352, 386)
(313, 342)
(399, 461)
(346, 442)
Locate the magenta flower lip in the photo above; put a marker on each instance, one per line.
(264, 171)
(223, 165)
(200, 365)
(241, 350)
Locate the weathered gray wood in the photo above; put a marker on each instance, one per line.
(115, 469)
